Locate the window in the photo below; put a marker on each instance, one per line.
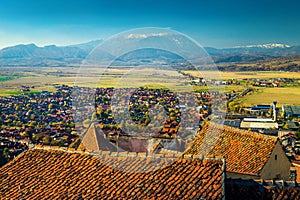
(276, 157)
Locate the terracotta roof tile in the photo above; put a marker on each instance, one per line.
(245, 152)
(55, 174)
(297, 169)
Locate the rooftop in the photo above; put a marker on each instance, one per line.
(93, 140)
(259, 125)
(257, 120)
(245, 152)
(56, 174)
(292, 109)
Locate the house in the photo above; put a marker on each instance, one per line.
(288, 139)
(293, 125)
(297, 147)
(258, 125)
(261, 107)
(229, 122)
(62, 174)
(264, 125)
(291, 111)
(248, 155)
(268, 126)
(296, 167)
(95, 140)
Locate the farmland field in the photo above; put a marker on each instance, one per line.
(44, 78)
(5, 78)
(248, 74)
(283, 96)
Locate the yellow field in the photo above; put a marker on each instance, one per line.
(96, 77)
(101, 77)
(284, 96)
(243, 75)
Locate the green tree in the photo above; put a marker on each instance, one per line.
(6, 153)
(3, 159)
(47, 139)
(298, 135)
(286, 126)
(50, 106)
(32, 123)
(94, 116)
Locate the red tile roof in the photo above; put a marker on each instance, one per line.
(245, 152)
(55, 174)
(296, 167)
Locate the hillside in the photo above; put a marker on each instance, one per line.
(289, 63)
(253, 57)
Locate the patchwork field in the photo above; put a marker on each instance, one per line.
(44, 78)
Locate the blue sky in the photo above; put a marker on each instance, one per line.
(216, 23)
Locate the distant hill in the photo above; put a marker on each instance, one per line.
(252, 53)
(88, 46)
(52, 55)
(156, 57)
(287, 63)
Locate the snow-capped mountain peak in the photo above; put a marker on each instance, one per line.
(266, 46)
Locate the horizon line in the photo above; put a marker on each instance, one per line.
(95, 40)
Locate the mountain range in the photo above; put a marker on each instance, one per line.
(52, 55)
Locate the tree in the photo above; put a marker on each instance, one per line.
(94, 116)
(50, 106)
(3, 159)
(37, 137)
(32, 116)
(6, 153)
(32, 123)
(298, 135)
(47, 139)
(286, 126)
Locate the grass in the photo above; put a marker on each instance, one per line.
(5, 78)
(283, 96)
(8, 92)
